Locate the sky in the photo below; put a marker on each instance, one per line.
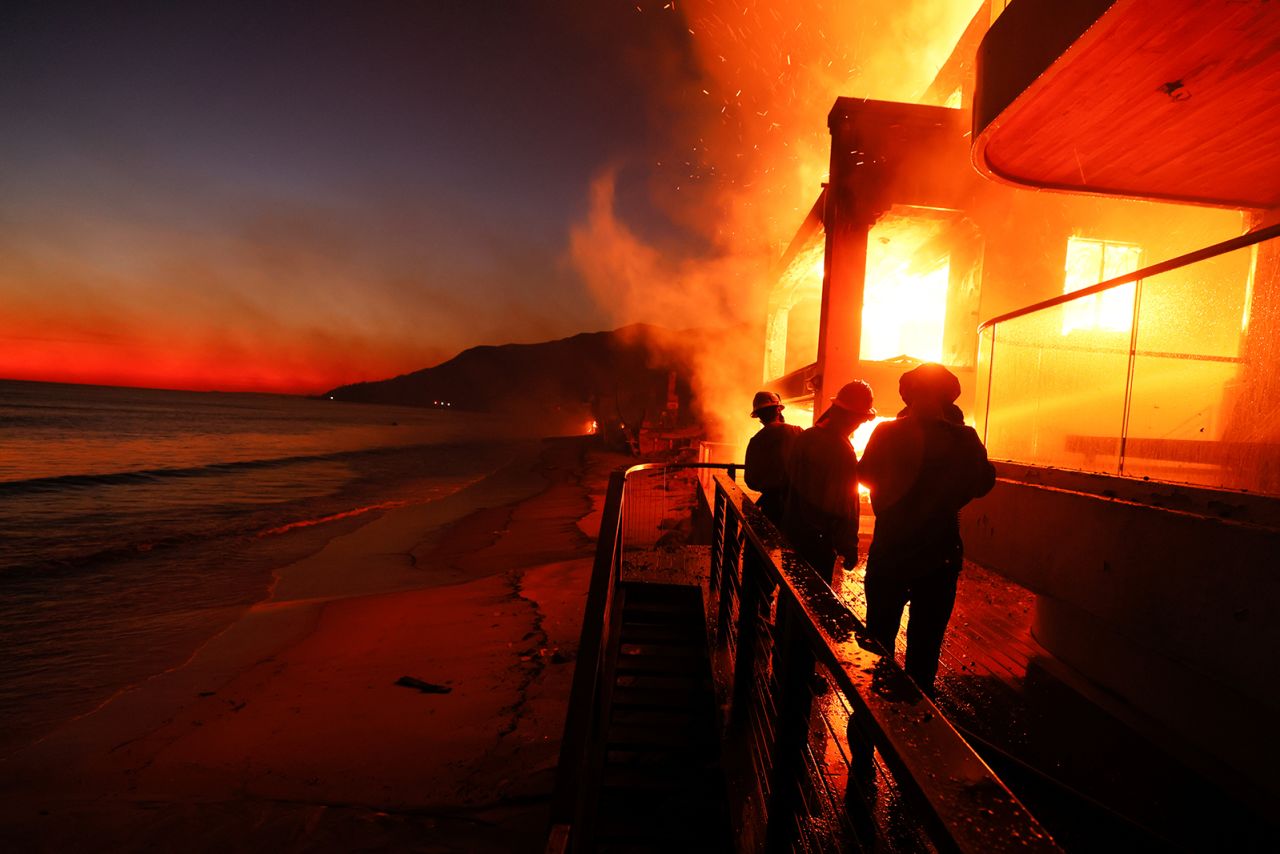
(290, 196)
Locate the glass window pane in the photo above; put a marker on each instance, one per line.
(1185, 376)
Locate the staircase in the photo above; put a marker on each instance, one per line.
(662, 788)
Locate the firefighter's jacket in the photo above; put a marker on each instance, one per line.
(767, 454)
(921, 471)
(823, 495)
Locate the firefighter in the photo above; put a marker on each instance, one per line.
(767, 454)
(921, 469)
(821, 516)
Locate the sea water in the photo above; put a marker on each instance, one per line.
(135, 524)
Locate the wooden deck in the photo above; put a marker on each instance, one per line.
(1091, 777)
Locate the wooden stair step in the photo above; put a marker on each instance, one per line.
(639, 735)
(653, 715)
(659, 697)
(659, 664)
(689, 651)
(664, 633)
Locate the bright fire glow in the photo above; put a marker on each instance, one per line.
(803, 416)
(1088, 263)
(905, 300)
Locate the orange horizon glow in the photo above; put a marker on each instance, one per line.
(285, 368)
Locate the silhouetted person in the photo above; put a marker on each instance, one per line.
(767, 454)
(921, 469)
(821, 516)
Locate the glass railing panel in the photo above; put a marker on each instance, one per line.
(1192, 395)
(982, 373)
(1057, 389)
(1185, 417)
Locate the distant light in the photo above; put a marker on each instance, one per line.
(331, 397)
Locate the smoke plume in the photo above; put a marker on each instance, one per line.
(740, 159)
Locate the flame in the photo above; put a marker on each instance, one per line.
(1088, 263)
(803, 416)
(904, 306)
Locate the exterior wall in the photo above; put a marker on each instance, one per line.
(1174, 611)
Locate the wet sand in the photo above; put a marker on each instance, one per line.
(288, 731)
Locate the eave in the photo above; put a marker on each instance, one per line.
(1160, 99)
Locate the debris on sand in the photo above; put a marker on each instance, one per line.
(422, 685)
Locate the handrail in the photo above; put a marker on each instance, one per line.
(1249, 239)
(639, 467)
(967, 805)
(579, 718)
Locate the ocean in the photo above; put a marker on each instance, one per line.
(135, 524)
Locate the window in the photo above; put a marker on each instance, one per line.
(1088, 263)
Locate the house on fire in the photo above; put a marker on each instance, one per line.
(1082, 220)
(1136, 424)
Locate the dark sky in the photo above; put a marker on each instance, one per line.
(292, 195)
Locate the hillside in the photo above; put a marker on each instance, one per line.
(602, 375)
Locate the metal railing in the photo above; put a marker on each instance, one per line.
(827, 744)
(1159, 373)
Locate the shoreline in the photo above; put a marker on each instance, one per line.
(288, 728)
(257, 557)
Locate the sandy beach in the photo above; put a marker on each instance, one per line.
(288, 730)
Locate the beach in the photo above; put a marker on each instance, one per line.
(288, 730)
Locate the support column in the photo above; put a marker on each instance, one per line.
(843, 283)
(882, 154)
(853, 203)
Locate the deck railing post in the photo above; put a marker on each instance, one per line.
(731, 574)
(718, 539)
(793, 662)
(750, 602)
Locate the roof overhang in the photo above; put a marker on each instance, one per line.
(885, 153)
(1161, 99)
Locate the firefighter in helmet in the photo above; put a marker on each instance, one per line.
(767, 454)
(821, 516)
(920, 468)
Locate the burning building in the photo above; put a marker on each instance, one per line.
(1105, 284)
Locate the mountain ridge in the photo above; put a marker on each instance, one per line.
(624, 372)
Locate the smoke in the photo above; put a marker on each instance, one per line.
(742, 152)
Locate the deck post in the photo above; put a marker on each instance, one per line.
(730, 577)
(718, 540)
(750, 600)
(794, 661)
